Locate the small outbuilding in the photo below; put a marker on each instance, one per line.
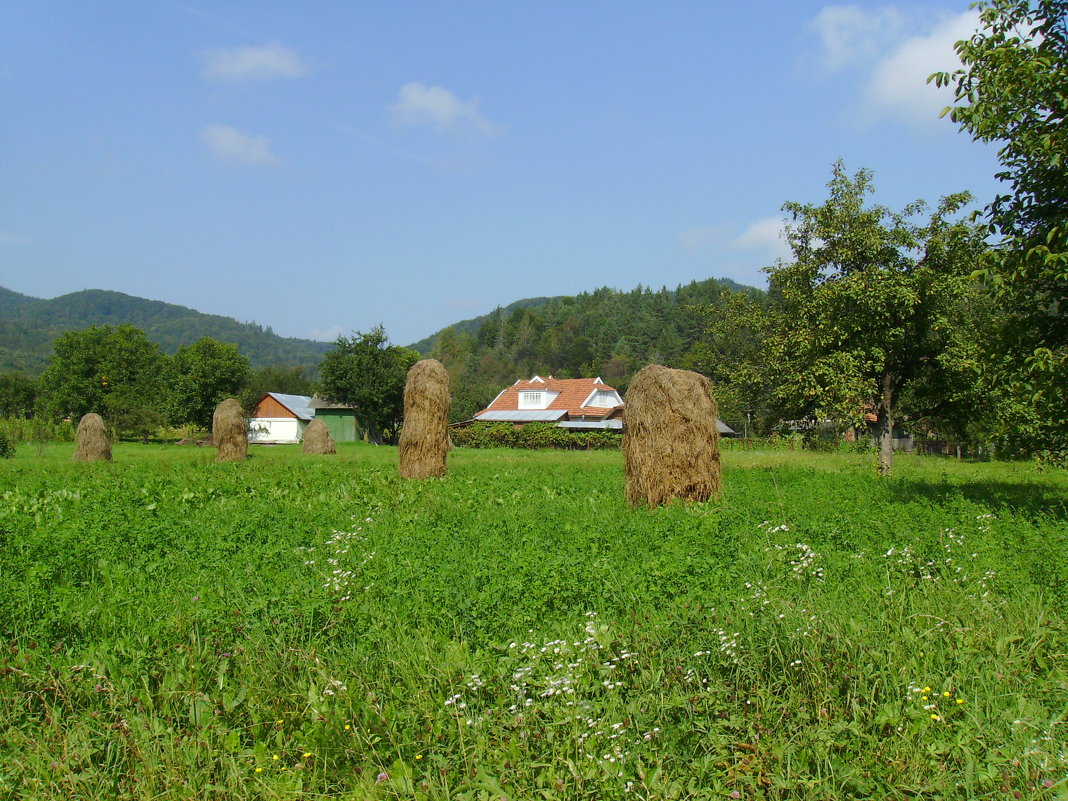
(340, 420)
(280, 419)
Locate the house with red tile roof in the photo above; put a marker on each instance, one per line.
(575, 403)
(578, 403)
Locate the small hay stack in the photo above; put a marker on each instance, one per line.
(229, 432)
(670, 437)
(424, 440)
(317, 438)
(92, 440)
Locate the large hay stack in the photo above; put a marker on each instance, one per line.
(92, 440)
(424, 440)
(670, 437)
(229, 431)
(317, 438)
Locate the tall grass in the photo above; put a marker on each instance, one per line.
(298, 627)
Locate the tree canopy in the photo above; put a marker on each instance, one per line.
(1013, 90)
(200, 376)
(18, 394)
(865, 308)
(366, 372)
(98, 365)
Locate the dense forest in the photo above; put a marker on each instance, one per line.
(607, 333)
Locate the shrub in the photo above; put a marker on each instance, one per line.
(532, 436)
(7, 449)
(37, 429)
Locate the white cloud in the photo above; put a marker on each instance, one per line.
(766, 235)
(252, 63)
(440, 109)
(893, 52)
(230, 145)
(325, 334)
(898, 85)
(851, 35)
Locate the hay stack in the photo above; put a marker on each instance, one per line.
(424, 440)
(92, 440)
(229, 431)
(670, 437)
(317, 438)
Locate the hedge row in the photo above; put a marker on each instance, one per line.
(532, 435)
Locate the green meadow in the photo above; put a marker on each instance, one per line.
(300, 627)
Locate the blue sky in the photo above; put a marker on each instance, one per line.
(322, 167)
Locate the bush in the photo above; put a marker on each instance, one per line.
(532, 436)
(37, 429)
(7, 450)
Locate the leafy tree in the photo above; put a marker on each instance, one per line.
(952, 397)
(367, 373)
(287, 380)
(130, 414)
(18, 394)
(866, 306)
(453, 349)
(1011, 91)
(201, 375)
(730, 352)
(90, 365)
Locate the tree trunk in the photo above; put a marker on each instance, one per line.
(886, 428)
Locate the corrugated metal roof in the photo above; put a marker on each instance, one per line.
(615, 425)
(300, 405)
(528, 416)
(319, 403)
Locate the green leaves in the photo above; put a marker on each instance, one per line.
(89, 366)
(1011, 91)
(869, 307)
(368, 373)
(200, 376)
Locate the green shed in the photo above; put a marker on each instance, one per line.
(340, 420)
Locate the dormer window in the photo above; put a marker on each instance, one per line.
(532, 400)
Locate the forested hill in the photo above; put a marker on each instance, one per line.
(606, 332)
(28, 325)
(471, 326)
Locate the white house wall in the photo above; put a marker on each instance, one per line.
(277, 430)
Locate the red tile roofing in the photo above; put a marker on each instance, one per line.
(573, 391)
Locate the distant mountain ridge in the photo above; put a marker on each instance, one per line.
(28, 325)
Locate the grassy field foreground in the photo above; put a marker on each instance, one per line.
(307, 627)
